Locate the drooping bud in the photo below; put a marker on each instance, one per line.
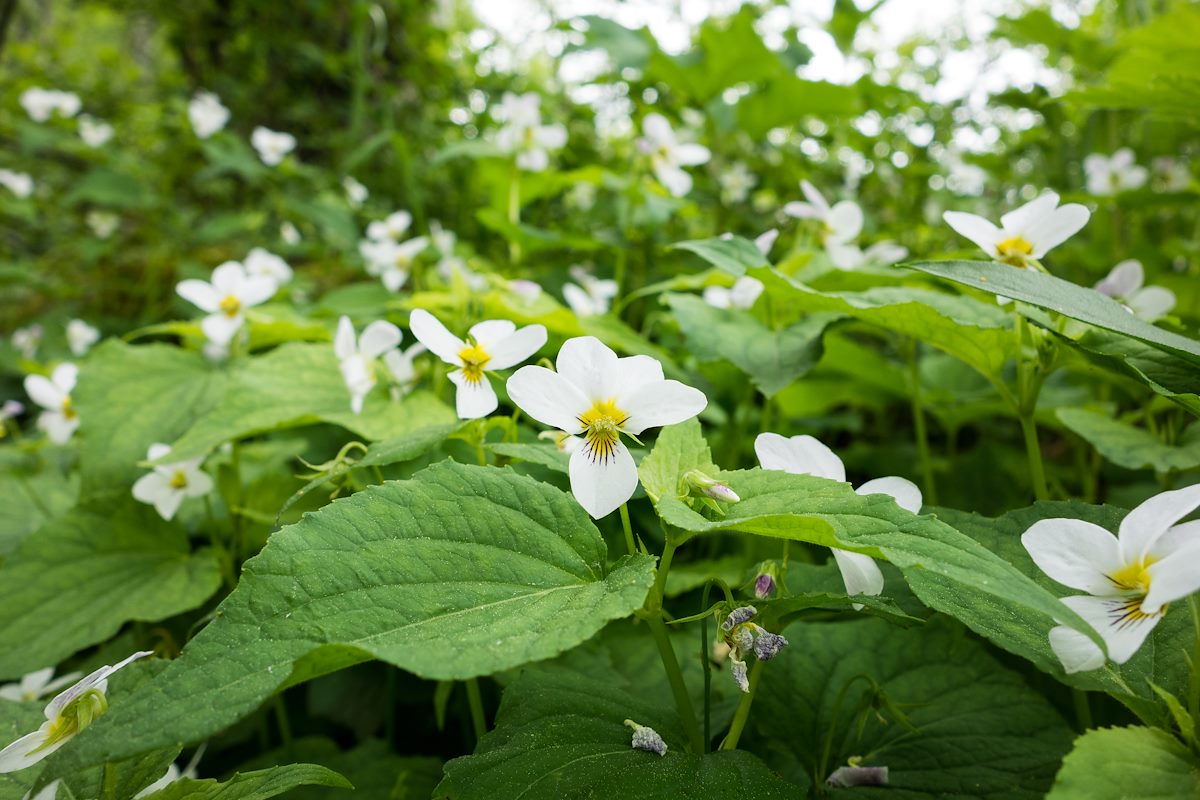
(709, 487)
(738, 616)
(764, 586)
(768, 645)
(742, 639)
(738, 670)
(646, 738)
(845, 777)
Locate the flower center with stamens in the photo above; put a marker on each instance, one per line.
(1133, 577)
(474, 359)
(601, 429)
(179, 480)
(230, 305)
(1015, 251)
(68, 410)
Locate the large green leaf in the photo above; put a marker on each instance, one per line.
(372, 766)
(1134, 448)
(31, 499)
(772, 359)
(974, 729)
(1165, 374)
(734, 255)
(1066, 298)
(947, 570)
(258, 785)
(783, 102)
(130, 397)
(460, 571)
(560, 733)
(300, 384)
(77, 580)
(1162, 660)
(1122, 763)
(974, 332)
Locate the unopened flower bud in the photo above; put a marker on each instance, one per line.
(764, 586)
(709, 487)
(845, 777)
(645, 738)
(738, 616)
(768, 645)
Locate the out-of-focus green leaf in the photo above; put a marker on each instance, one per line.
(1132, 447)
(1119, 763)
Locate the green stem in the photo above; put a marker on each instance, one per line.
(1083, 709)
(281, 718)
(1033, 450)
(919, 426)
(658, 629)
(514, 213)
(629, 543)
(1029, 385)
(475, 701)
(743, 710)
(706, 664)
(110, 782)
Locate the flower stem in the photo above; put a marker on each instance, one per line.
(629, 544)
(743, 710)
(920, 428)
(475, 701)
(1033, 450)
(658, 629)
(1083, 709)
(514, 213)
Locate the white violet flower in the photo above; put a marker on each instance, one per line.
(392, 227)
(668, 156)
(40, 104)
(841, 223)
(289, 233)
(231, 292)
(94, 132)
(206, 114)
(805, 455)
(524, 135)
(491, 345)
(19, 183)
(1124, 284)
(356, 356)
(59, 419)
(167, 485)
(26, 340)
(66, 715)
(102, 223)
(1108, 175)
(81, 337)
(589, 296)
(356, 193)
(597, 396)
(736, 183)
(1026, 233)
(36, 685)
(742, 294)
(1129, 578)
(884, 253)
(260, 263)
(271, 145)
(391, 261)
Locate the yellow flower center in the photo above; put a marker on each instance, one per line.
(1015, 251)
(68, 410)
(75, 717)
(601, 429)
(179, 480)
(230, 305)
(474, 360)
(1133, 577)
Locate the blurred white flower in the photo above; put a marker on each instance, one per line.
(1107, 175)
(262, 263)
(66, 715)
(525, 289)
(173, 774)
(743, 293)
(356, 193)
(36, 685)
(9, 409)
(490, 345)
(449, 263)
(167, 485)
(1174, 173)
(1026, 233)
(102, 223)
(598, 396)
(81, 337)
(94, 132)
(884, 253)
(19, 183)
(391, 261)
(805, 455)
(40, 104)
(1124, 284)
(582, 196)
(841, 223)
(289, 233)
(524, 135)
(59, 418)
(271, 145)
(392, 227)
(26, 340)
(589, 296)
(356, 356)
(668, 155)
(736, 182)
(206, 114)
(225, 300)
(1129, 578)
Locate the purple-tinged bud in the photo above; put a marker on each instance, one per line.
(768, 645)
(738, 670)
(647, 739)
(845, 777)
(738, 616)
(710, 487)
(764, 586)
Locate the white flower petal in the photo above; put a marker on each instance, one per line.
(200, 294)
(692, 155)
(860, 573)
(799, 455)
(1076, 651)
(845, 256)
(1152, 303)
(1122, 635)
(1142, 526)
(590, 365)
(64, 376)
(434, 335)
(1123, 280)
(816, 200)
(517, 347)
(799, 210)
(151, 487)
(42, 391)
(378, 338)
(674, 179)
(393, 278)
(57, 426)
(550, 136)
(659, 403)
(656, 127)
(1176, 576)
(156, 451)
(903, 491)
(1056, 227)
(474, 399)
(221, 328)
(1019, 219)
(718, 296)
(229, 277)
(25, 752)
(845, 221)
(1075, 553)
(199, 483)
(344, 345)
(167, 504)
(491, 332)
(975, 228)
(601, 485)
(548, 397)
(535, 160)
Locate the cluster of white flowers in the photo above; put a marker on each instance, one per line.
(387, 254)
(1124, 284)
(840, 225)
(589, 296)
(1108, 175)
(668, 155)
(81, 337)
(357, 356)
(41, 104)
(235, 287)
(523, 135)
